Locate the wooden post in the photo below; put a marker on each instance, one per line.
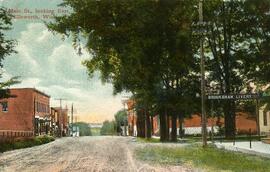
(204, 120)
(257, 117)
(234, 138)
(250, 138)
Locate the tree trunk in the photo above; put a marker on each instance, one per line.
(163, 126)
(168, 127)
(148, 125)
(181, 132)
(174, 128)
(229, 122)
(140, 124)
(152, 124)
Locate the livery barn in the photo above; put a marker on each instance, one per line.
(25, 114)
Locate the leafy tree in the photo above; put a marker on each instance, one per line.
(237, 49)
(6, 45)
(120, 119)
(84, 128)
(108, 128)
(257, 29)
(6, 48)
(228, 49)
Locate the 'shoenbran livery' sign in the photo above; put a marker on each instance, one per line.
(232, 96)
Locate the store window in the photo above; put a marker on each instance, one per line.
(4, 106)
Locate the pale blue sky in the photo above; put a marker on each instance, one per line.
(50, 64)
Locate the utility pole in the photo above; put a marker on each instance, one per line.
(76, 120)
(72, 120)
(204, 120)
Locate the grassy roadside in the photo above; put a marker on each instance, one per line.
(39, 140)
(210, 159)
(223, 139)
(144, 140)
(193, 139)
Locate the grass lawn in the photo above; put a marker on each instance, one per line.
(194, 139)
(151, 140)
(218, 138)
(210, 159)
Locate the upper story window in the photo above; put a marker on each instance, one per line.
(4, 106)
(38, 107)
(41, 107)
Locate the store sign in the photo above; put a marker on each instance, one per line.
(232, 96)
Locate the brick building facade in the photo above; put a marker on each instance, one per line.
(54, 122)
(132, 118)
(62, 121)
(192, 125)
(25, 114)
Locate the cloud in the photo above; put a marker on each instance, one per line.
(29, 82)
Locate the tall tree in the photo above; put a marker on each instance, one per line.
(226, 43)
(6, 48)
(256, 27)
(108, 128)
(121, 119)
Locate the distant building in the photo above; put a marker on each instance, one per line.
(95, 125)
(243, 123)
(25, 114)
(132, 117)
(76, 131)
(62, 121)
(192, 125)
(54, 122)
(264, 119)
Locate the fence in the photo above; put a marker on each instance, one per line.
(11, 135)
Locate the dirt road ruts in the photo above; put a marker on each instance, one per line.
(108, 154)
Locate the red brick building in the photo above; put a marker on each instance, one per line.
(62, 121)
(25, 114)
(54, 122)
(243, 123)
(132, 118)
(192, 125)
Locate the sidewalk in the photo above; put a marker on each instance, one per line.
(257, 147)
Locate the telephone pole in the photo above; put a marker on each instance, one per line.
(76, 120)
(204, 120)
(72, 120)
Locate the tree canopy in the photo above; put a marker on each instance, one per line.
(6, 48)
(108, 128)
(149, 48)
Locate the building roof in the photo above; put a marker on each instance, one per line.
(34, 89)
(58, 109)
(52, 108)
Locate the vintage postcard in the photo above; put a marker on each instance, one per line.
(142, 85)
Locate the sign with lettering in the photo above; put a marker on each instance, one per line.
(232, 96)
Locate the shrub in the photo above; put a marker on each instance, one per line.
(39, 140)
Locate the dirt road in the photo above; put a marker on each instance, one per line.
(80, 154)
